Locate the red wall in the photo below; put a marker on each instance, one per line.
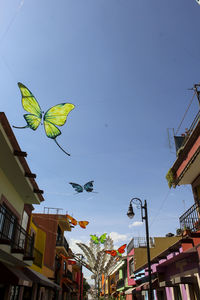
(189, 156)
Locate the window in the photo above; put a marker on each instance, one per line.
(59, 238)
(7, 223)
(25, 220)
(14, 292)
(64, 266)
(131, 266)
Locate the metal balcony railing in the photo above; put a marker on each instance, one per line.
(140, 242)
(61, 241)
(191, 218)
(190, 130)
(68, 274)
(14, 234)
(38, 256)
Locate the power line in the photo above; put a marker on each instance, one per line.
(185, 113)
(161, 206)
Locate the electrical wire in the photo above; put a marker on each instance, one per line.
(185, 113)
(161, 206)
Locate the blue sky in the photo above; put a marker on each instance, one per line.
(126, 66)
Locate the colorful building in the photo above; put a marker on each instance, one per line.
(186, 170)
(137, 262)
(59, 264)
(18, 192)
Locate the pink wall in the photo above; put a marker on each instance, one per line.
(129, 297)
(130, 280)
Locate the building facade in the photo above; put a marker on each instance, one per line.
(18, 192)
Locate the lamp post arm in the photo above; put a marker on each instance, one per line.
(140, 202)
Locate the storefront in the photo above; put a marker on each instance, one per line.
(14, 284)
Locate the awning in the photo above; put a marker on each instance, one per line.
(13, 275)
(40, 279)
(129, 291)
(184, 280)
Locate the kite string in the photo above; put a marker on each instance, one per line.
(11, 21)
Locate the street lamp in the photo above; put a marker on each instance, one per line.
(144, 216)
(81, 275)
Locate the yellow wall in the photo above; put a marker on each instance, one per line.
(7, 189)
(106, 282)
(47, 272)
(40, 239)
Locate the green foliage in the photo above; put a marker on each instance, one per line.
(179, 231)
(170, 178)
(86, 286)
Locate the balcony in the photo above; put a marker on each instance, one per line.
(68, 275)
(12, 234)
(180, 141)
(140, 242)
(62, 242)
(191, 218)
(120, 284)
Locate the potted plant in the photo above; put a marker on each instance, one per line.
(186, 230)
(179, 231)
(197, 224)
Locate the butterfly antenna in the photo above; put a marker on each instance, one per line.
(61, 148)
(20, 127)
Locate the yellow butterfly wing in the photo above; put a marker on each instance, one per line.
(32, 121)
(31, 105)
(51, 130)
(56, 115)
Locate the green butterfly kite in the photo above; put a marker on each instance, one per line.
(98, 240)
(56, 115)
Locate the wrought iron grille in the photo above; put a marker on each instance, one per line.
(191, 218)
(14, 234)
(193, 125)
(61, 241)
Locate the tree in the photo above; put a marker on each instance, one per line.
(98, 261)
(86, 287)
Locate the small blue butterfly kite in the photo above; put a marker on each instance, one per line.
(88, 187)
